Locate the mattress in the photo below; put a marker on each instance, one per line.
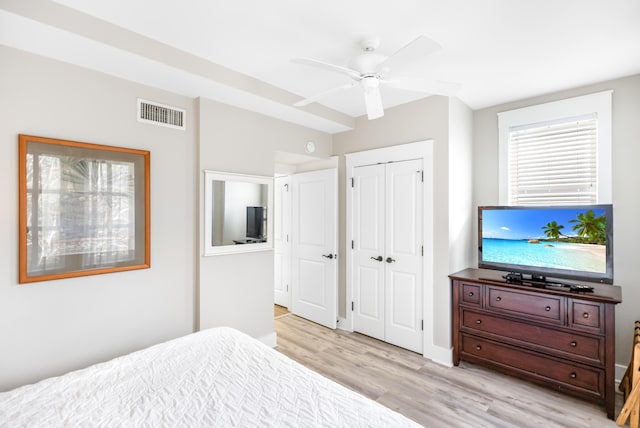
(218, 378)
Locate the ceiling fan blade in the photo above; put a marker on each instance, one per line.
(434, 87)
(415, 50)
(316, 97)
(326, 66)
(373, 102)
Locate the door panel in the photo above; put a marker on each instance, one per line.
(402, 292)
(403, 214)
(314, 239)
(368, 236)
(369, 303)
(312, 290)
(403, 279)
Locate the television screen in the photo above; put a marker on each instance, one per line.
(567, 242)
(255, 222)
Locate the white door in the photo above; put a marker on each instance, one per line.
(314, 246)
(369, 252)
(387, 256)
(403, 259)
(281, 244)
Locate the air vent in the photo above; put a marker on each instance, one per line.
(159, 114)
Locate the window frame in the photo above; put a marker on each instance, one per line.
(599, 103)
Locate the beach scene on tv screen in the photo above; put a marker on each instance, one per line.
(572, 239)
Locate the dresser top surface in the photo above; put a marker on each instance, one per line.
(601, 292)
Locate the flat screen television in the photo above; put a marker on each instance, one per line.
(574, 242)
(255, 222)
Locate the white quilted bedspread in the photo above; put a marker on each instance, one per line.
(214, 378)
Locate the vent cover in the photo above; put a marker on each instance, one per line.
(160, 114)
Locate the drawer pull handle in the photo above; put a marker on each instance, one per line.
(471, 293)
(573, 375)
(547, 308)
(498, 298)
(478, 347)
(574, 344)
(478, 321)
(585, 315)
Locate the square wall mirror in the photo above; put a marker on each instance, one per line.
(238, 215)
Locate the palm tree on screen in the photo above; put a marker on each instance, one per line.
(552, 230)
(588, 226)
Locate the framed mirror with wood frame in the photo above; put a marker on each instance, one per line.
(84, 209)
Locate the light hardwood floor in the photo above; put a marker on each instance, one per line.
(431, 394)
(279, 311)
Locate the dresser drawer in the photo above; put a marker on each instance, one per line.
(471, 294)
(545, 308)
(570, 345)
(588, 316)
(587, 381)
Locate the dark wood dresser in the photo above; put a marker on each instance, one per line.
(560, 339)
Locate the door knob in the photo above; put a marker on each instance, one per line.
(328, 256)
(379, 258)
(390, 260)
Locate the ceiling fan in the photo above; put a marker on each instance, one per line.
(371, 69)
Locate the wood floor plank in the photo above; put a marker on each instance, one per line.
(429, 393)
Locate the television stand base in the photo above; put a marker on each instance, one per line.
(540, 281)
(520, 277)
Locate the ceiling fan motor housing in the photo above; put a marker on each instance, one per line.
(367, 63)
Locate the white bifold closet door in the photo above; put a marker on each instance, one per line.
(387, 252)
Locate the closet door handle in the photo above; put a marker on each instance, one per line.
(328, 256)
(390, 260)
(379, 258)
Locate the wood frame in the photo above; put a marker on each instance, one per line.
(630, 385)
(89, 216)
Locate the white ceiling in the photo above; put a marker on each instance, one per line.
(498, 50)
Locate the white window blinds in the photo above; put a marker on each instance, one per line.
(553, 163)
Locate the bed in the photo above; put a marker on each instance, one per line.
(217, 377)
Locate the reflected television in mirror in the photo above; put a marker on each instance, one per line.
(236, 213)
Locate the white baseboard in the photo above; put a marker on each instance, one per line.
(620, 371)
(440, 355)
(342, 324)
(271, 339)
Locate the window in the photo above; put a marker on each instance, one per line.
(557, 153)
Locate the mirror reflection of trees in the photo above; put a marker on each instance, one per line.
(84, 206)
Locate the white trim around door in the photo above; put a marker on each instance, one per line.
(418, 150)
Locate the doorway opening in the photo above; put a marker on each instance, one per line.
(303, 283)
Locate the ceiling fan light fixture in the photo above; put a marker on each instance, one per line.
(370, 82)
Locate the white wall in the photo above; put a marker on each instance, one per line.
(51, 327)
(626, 176)
(461, 238)
(237, 289)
